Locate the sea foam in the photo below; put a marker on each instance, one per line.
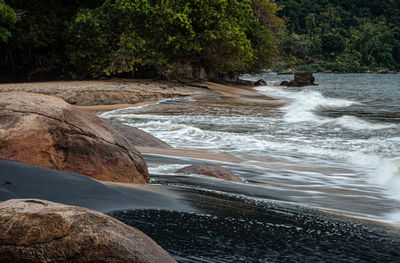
(365, 151)
(306, 104)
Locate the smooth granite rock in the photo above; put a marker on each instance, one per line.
(34, 230)
(48, 132)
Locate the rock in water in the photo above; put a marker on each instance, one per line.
(260, 82)
(48, 132)
(42, 231)
(210, 170)
(138, 137)
(301, 79)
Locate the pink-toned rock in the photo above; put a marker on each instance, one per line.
(48, 132)
(210, 170)
(42, 231)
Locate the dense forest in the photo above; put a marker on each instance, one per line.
(189, 39)
(341, 35)
(139, 38)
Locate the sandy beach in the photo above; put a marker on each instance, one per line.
(106, 95)
(19, 180)
(122, 92)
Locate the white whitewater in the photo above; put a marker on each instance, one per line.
(335, 147)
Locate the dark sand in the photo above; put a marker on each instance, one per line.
(18, 180)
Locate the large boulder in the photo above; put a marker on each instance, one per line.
(210, 170)
(138, 137)
(48, 132)
(33, 230)
(301, 79)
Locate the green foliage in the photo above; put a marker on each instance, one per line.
(124, 36)
(36, 45)
(97, 38)
(7, 20)
(374, 42)
(348, 35)
(332, 44)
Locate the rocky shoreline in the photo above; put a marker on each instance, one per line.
(74, 140)
(108, 92)
(40, 127)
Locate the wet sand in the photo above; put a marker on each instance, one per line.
(19, 180)
(103, 108)
(230, 96)
(199, 154)
(233, 91)
(108, 92)
(206, 155)
(278, 192)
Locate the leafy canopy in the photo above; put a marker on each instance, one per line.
(129, 35)
(7, 20)
(343, 35)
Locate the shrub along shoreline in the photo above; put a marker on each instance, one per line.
(199, 39)
(194, 40)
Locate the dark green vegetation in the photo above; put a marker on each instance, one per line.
(7, 21)
(158, 38)
(35, 48)
(341, 35)
(192, 39)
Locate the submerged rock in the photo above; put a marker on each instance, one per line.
(48, 132)
(33, 230)
(210, 170)
(301, 79)
(138, 137)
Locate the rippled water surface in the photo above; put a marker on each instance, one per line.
(333, 147)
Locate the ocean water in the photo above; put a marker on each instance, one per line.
(327, 156)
